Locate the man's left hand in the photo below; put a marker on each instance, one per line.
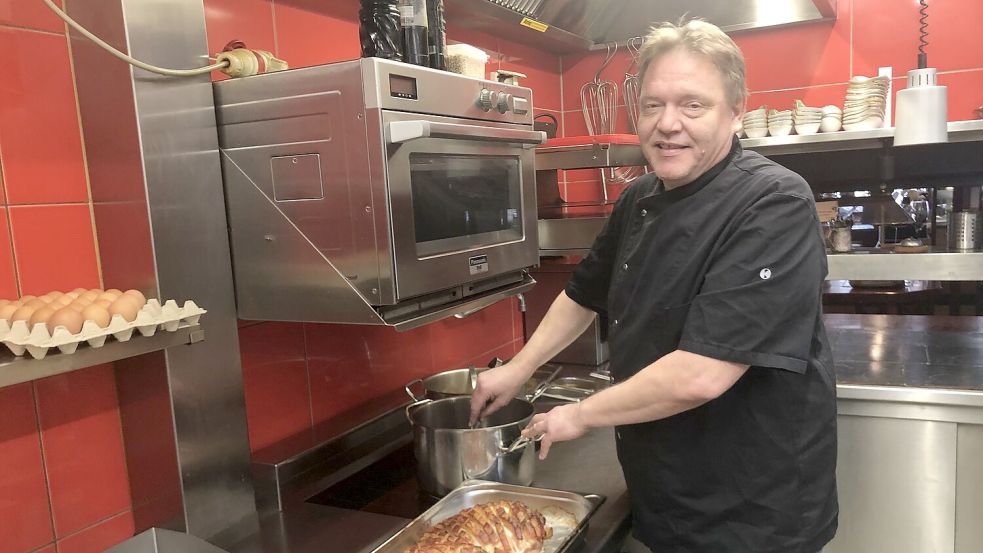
(558, 425)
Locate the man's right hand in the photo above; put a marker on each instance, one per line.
(495, 389)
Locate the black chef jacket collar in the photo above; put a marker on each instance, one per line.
(659, 199)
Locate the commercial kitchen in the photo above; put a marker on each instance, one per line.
(293, 252)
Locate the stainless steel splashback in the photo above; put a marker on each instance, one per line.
(577, 25)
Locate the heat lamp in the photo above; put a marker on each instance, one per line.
(921, 108)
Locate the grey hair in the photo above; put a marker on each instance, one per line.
(703, 38)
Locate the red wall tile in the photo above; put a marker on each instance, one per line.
(885, 33)
(148, 439)
(306, 36)
(125, 255)
(38, 166)
(799, 55)
(250, 21)
(542, 70)
(24, 509)
(99, 537)
(8, 278)
(352, 364)
(455, 341)
(816, 96)
(33, 15)
(54, 247)
(274, 376)
(83, 448)
(965, 93)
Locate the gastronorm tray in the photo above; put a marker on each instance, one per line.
(573, 388)
(477, 492)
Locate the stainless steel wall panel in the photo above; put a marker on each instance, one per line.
(969, 490)
(897, 479)
(178, 157)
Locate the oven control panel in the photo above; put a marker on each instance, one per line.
(502, 102)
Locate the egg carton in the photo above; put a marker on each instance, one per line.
(36, 341)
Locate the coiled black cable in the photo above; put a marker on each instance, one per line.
(923, 33)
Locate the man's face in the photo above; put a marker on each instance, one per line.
(685, 121)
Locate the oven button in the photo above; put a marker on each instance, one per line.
(486, 100)
(504, 102)
(520, 106)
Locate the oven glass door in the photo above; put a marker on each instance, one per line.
(461, 199)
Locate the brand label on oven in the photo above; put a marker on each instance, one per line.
(479, 264)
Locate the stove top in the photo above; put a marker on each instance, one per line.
(386, 487)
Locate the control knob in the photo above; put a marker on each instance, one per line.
(504, 102)
(486, 100)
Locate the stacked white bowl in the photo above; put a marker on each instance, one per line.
(832, 119)
(756, 123)
(806, 119)
(866, 98)
(779, 122)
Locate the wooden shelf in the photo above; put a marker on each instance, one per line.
(15, 370)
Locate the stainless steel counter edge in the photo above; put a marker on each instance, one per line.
(902, 394)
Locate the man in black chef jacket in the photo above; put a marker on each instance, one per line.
(708, 273)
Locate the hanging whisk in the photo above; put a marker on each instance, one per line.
(599, 104)
(631, 82)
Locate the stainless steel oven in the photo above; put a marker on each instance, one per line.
(377, 192)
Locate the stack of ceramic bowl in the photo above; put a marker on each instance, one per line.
(779, 122)
(865, 101)
(832, 119)
(806, 119)
(756, 123)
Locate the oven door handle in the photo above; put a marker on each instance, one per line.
(405, 131)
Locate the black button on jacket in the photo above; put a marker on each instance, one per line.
(729, 267)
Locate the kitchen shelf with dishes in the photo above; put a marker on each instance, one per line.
(57, 333)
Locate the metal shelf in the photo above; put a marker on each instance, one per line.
(15, 370)
(959, 131)
(869, 264)
(589, 156)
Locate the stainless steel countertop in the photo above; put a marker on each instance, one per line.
(587, 465)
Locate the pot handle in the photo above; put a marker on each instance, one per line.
(414, 405)
(543, 386)
(409, 391)
(519, 443)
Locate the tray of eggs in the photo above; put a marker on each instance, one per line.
(36, 324)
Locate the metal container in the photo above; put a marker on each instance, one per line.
(442, 385)
(965, 230)
(448, 452)
(472, 493)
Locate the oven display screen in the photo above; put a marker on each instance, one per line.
(402, 87)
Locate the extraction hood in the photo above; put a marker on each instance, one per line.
(565, 26)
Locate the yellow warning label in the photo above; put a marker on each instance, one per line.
(533, 24)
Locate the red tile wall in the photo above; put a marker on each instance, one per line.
(63, 465)
(814, 61)
(63, 478)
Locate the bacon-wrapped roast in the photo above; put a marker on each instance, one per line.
(496, 527)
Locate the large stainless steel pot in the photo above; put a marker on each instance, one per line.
(442, 385)
(448, 452)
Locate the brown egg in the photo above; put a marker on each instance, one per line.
(73, 294)
(138, 295)
(105, 302)
(41, 315)
(97, 314)
(79, 291)
(125, 308)
(68, 318)
(115, 291)
(106, 296)
(4, 302)
(23, 313)
(91, 295)
(8, 310)
(26, 298)
(36, 303)
(52, 296)
(78, 305)
(63, 301)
